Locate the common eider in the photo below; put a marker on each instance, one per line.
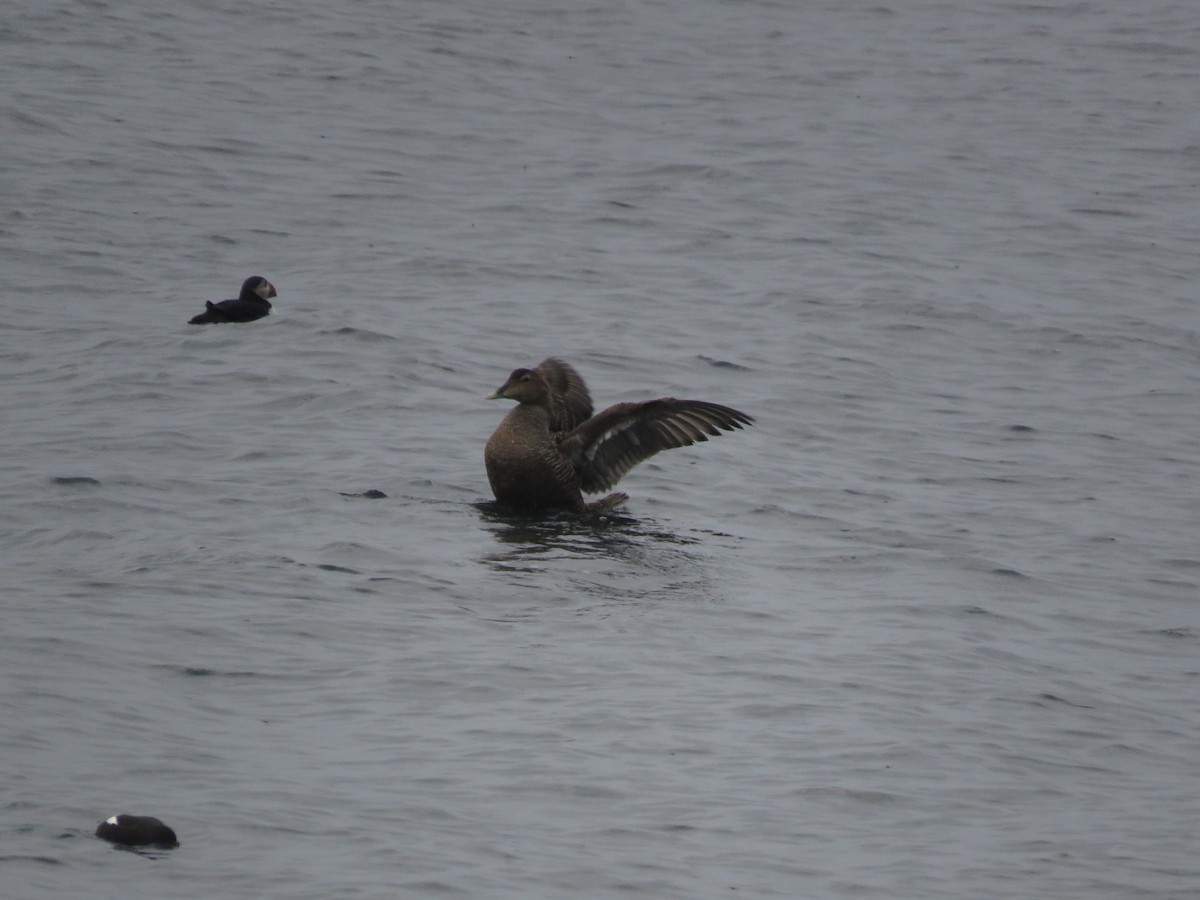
(252, 303)
(135, 831)
(551, 450)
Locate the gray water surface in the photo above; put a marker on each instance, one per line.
(928, 630)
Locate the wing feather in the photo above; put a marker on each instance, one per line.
(570, 402)
(612, 442)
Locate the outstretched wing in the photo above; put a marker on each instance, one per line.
(570, 403)
(612, 442)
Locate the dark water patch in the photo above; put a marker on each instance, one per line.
(1093, 211)
(148, 852)
(521, 527)
(501, 566)
(364, 495)
(254, 456)
(1009, 573)
(1183, 632)
(330, 567)
(711, 532)
(625, 223)
(1172, 583)
(980, 611)
(362, 334)
(1054, 698)
(871, 495)
(74, 479)
(44, 860)
(723, 364)
(533, 544)
(1022, 429)
(205, 672)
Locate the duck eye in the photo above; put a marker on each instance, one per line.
(525, 377)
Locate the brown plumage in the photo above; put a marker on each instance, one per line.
(551, 450)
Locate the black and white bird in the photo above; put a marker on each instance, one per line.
(136, 831)
(252, 303)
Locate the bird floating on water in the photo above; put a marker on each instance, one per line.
(252, 303)
(551, 450)
(136, 831)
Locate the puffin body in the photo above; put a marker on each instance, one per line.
(252, 303)
(136, 831)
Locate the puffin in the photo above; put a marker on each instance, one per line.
(136, 831)
(252, 303)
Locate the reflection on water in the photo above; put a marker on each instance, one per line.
(549, 535)
(627, 557)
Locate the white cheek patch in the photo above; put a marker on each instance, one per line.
(111, 820)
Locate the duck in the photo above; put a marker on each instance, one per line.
(252, 303)
(134, 831)
(550, 449)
